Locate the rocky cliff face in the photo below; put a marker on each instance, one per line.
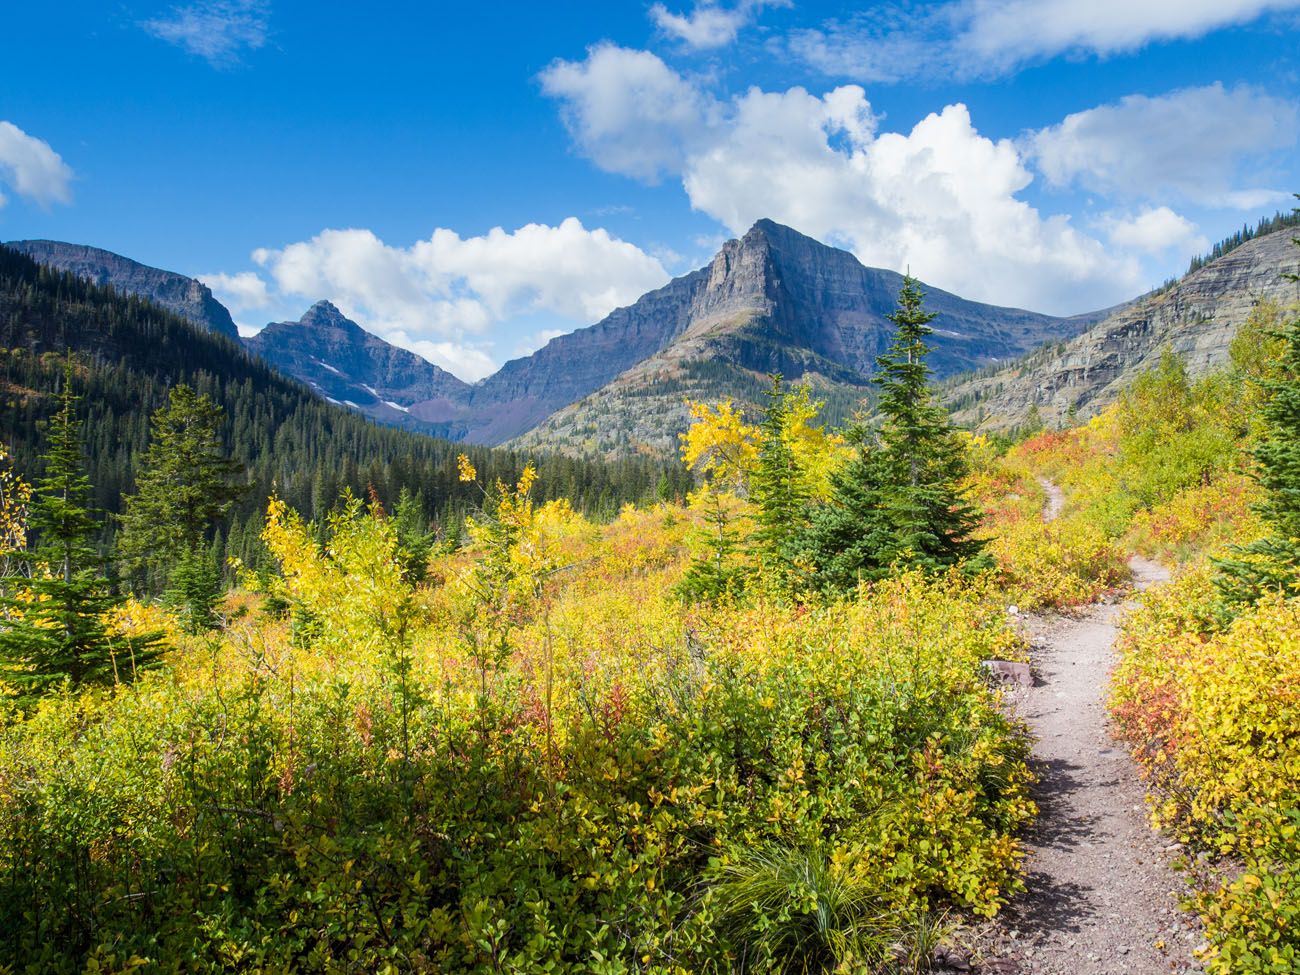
(773, 301)
(346, 364)
(1196, 319)
(190, 299)
(526, 391)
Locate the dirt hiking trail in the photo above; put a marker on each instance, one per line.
(1100, 898)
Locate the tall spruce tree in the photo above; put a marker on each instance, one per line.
(776, 486)
(186, 485)
(56, 629)
(1272, 564)
(898, 501)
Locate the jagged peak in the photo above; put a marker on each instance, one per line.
(325, 313)
(766, 228)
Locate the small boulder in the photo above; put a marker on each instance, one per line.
(952, 959)
(1010, 672)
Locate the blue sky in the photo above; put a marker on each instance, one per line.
(467, 180)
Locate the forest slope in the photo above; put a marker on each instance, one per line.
(130, 351)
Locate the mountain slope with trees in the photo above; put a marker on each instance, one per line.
(129, 352)
(187, 297)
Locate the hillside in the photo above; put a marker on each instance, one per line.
(293, 442)
(1196, 318)
(186, 297)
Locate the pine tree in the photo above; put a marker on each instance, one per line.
(56, 610)
(898, 501)
(713, 574)
(776, 485)
(1272, 564)
(186, 484)
(414, 535)
(194, 589)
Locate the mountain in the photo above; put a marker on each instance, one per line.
(129, 352)
(186, 297)
(773, 301)
(348, 366)
(1196, 318)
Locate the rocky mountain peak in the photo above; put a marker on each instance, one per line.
(325, 314)
(343, 362)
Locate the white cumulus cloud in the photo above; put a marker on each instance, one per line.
(1153, 231)
(628, 111)
(240, 292)
(218, 31)
(940, 198)
(1188, 142)
(443, 297)
(30, 168)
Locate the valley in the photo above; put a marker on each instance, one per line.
(689, 487)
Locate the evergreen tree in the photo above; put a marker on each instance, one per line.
(186, 485)
(194, 588)
(56, 610)
(898, 501)
(713, 574)
(414, 535)
(1272, 564)
(776, 485)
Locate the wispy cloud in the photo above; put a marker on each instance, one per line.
(219, 31)
(31, 168)
(991, 38)
(709, 24)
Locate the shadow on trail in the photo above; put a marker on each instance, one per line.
(1059, 906)
(1059, 826)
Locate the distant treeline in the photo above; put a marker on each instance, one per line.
(1267, 225)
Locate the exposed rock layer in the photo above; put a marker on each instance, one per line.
(1196, 319)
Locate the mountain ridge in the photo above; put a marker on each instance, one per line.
(772, 300)
(1196, 317)
(185, 296)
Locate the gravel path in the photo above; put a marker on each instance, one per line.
(1055, 500)
(1101, 898)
